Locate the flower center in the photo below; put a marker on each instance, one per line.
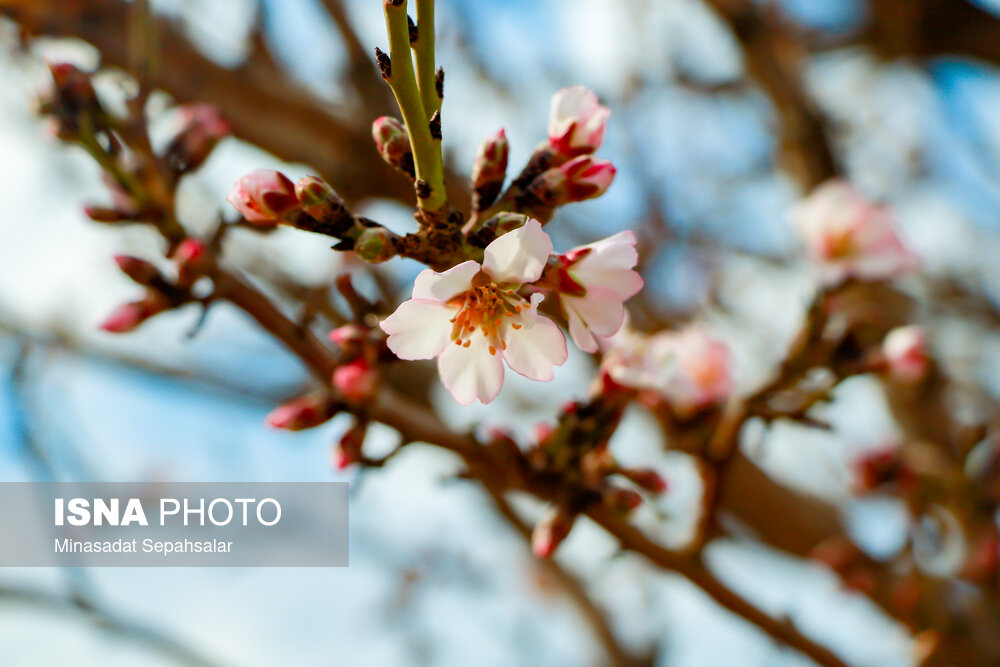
(484, 307)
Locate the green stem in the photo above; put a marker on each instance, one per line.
(402, 80)
(424, 51)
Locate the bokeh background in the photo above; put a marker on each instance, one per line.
(707, 171)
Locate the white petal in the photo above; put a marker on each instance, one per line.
(533, 351)
(419, 329)
(601, 309)
(609, 264)
(579, 332)
(518, 256)
(471, 372)
(443, 286)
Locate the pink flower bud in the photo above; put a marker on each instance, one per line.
(128, 317)
(264, 197)
(138, 270)
(191, 257)
(905, 350)
(490, 169)
(356, 380)
(347, 334)
(550, 532)
(302, 413)
(579, 179)
(72, 96)
(393, 144)
(348, 450)
(203, 127)
(577, 122)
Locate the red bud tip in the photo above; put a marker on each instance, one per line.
(301, 413)
(550, 532)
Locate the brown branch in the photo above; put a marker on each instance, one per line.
(773, 58)
(264, 107)
(574, 589)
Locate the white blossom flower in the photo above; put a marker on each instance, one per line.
(849, 236)
(472, 319)
(594, 282)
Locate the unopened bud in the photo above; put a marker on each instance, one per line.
(128, 317)
(302, 413)
(138, 270)
(356, 380)
(577, 122)
(320, 200)
(645, 478)
(191, 258)
(203, 128)
(375, 245)
(581, 178)
(264, 197)
(347, 334)
(620, 500)
(348, 451)
(393, 144)
(72, 96)
(490, 169)
(543, 431)
(550, 532)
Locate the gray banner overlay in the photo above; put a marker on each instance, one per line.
(174, 524)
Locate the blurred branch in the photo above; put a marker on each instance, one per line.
(773, 58)
(930, 28)
(574, 589)
(119, 626)
(265, 107)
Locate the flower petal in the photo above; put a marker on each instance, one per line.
(609, 264)
(518, 256)
(471, 372)
(533, 351)
(579, 332)
(419, 329)
(442, 286)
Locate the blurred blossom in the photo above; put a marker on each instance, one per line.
(689, 369)
(905, 350)
(850, 237)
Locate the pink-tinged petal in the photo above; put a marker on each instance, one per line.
(601, 310)
(577, 121)
(533, 351)
(519, 256)
(579, 332)
(419, 329)
(442, 286)
(471, 372)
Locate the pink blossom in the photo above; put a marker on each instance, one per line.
(905, 350)
(850, 237)
(581, 178)
(472, 319)
(577, 122)
(264, 197)
(689, 369)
